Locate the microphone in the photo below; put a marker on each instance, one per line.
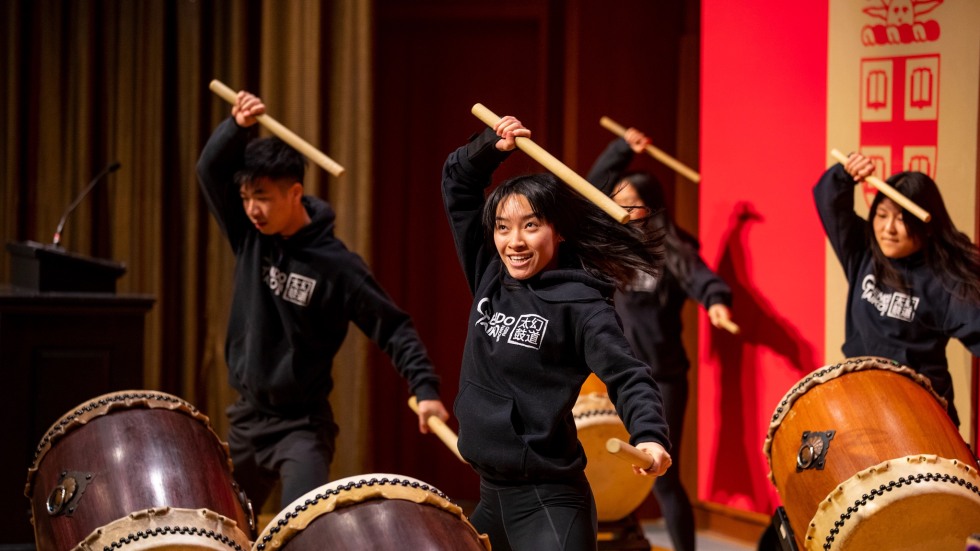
(64, 217)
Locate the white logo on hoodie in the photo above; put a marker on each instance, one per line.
(894, 305)
(527, 330)
(291, 287)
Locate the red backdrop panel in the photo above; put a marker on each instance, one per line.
(763, 113)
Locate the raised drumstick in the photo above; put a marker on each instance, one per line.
(657, 154)
(285, 134)
(888, 190)
(629, 453)
(439, 428)
(558, 168)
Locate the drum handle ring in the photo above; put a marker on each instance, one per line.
(61, 495)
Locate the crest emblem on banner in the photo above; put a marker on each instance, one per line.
(900, 95)
(904, 22)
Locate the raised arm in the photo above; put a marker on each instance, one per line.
(222, 157)
(834, 198)
(465, 175)
(611, 164)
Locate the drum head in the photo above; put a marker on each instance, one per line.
(372, 511)
(168, 529)
(920, 502)
(617, 489)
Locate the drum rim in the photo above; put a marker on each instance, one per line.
(833, 371)
(323, 500)
(104, 404)
(169, 521)
(857, 492)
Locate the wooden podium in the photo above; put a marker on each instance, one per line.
(65, 337)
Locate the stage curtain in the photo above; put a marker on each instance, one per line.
(89, 83)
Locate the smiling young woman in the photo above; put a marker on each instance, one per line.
(542, 263)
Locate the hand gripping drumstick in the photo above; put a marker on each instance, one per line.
(657, 154)
(558, 168)
(730, 326)
(889, 191)
(629, 453)
(439, 427)
(285, 134)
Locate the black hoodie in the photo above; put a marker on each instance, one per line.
(294, 298)
(651, 309)
(530, 346)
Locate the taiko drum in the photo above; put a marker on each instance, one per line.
(617, 490)
(129, 452)
(864, 456)
(372, 511)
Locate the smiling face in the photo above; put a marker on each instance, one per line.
(890, 231)
(274, 207)
(526, 243)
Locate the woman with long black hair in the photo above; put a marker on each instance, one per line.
(650, 309)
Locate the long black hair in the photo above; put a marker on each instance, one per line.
(948, 252)
(679, 247)
(606, 249)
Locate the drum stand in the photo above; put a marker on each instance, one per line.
(778, 536)
(624, 534)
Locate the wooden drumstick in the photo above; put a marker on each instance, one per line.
(629, 453)
(439, 428)
(888, 190)
(285, 134)
(558, 168)
(657, 154)
(729, 326)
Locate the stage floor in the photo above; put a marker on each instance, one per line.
(656, 534)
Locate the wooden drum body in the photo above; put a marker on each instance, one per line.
(617, 490)
(864, 456)
(372, 511)
(126, 452)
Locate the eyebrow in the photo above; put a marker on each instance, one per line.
(524, 218)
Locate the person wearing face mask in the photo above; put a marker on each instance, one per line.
(651, 309)
(297, 289)
(542, 264)
(913, 285)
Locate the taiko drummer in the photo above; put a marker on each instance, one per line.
(542, 264)
(296, 290)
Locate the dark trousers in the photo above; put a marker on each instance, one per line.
(674, 502)
(540, 516)
(266, 448)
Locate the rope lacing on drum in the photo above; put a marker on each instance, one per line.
(281, 523)
(894, 485)
(594, 413)
(820, 373)
(173, 531)
(91, 406)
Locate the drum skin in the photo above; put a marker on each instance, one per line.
(895, 469)
(617, 489)
(124, 452)
(168, 529)
(375, 511)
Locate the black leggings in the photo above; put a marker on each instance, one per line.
(674, 502)
(539, 516)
